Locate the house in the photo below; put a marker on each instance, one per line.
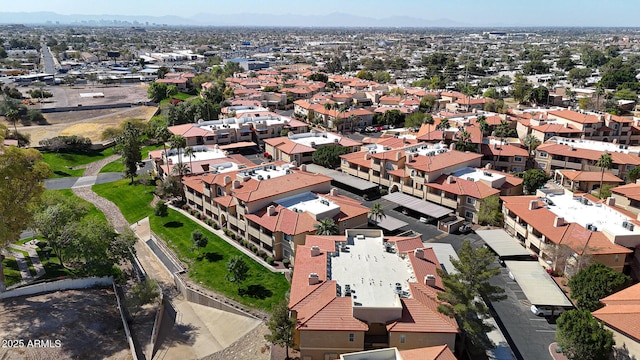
(441, 352)
(203, 159)
(365, 291)
(585, 181)
(589, 228)
(504, 156)
(300, 147)
(621, 315)
(273, 206)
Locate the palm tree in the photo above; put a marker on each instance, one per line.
(464, 141)
(482, 122)
(531, 142)
(376, 213)
(605, 161)
(13, 116)
(443, 124)
(428, 119)
(180, 169)
(326, 227)
(188, 151)
(178, 142)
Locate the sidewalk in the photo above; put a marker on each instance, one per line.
(30, 248)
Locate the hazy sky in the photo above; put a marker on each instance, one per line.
(473, 12)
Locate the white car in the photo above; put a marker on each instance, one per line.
(547, 310)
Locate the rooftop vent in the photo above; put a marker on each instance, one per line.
(360, 237)
(419, 253)
(430, 280)
(314, 279)
(315, 250)
(533, 204)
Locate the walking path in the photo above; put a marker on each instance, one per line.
(30, 248)
(22, 264)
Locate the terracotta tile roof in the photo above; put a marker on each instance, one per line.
(441, 352)
(565, 150)
(504, 150)
(253, 190)
(442, 161)
(193, 182)
(459, 186)
(358, 158)
(406, 244)
(428, 297)
(426, 266)
(575, 116)
(337, 315)
(305, 265)
(418, 318)
(575, 175)
(395, 143)
(556, 128)
(631, 191)
(576, 237)
(225, 201)
(622, 311)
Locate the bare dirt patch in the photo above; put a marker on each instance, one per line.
(84, 323)
(86, 123)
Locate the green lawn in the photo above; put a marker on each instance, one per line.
(62, 163)
(180, 96)
(11, 273)
(263, 288)
(93, 211)
(117, 166)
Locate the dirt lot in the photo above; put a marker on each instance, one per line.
(86, 123)
(73, 324)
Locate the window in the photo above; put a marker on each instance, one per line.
(516, 169)
(517, 158)
(468, 214)
(403, 339)
(471, 201)
(542, 165)
(542, 154)
(352, 337)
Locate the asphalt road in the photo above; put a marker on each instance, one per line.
(528, 335)
(47, 60)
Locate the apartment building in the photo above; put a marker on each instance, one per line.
(582, 155)
(274, 206)
(627, 197)
(504, 156)
(202, 159)
(363, 291)
(249, 127)
(621, 315)
(441, 352)
(315, 111)
(300, 147)
(591, 229)
(585, 181)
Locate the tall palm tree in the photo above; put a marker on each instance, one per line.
(376, 213)
(443, 124)
(605, 161)
(482, 122)
(428, 119)
(178, 142)
(326, 227)
(188, 151)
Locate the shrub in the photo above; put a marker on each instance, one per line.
(72, 142)
(216, 226)
(286, 262)
(270, 260)
(162, 209)
(196, 214)
(262, 254)
(185, 207)
(233, 236)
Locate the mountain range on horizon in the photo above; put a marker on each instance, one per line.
(243, 19)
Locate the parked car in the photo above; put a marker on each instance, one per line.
(547, 310)
(369, 129)
(465, 228)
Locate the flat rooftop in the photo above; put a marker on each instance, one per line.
(371, 272)
(476, 175)
(264, 172)
(596, 145)
(312, 203)
(573, 209)
(315, 138)
(200, 153)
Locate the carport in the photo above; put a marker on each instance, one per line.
(421, 206)
(238, 145)
(537, 285)
(504, 245)
(389, 223)
(349, 181)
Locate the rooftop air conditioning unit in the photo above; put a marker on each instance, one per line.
(360, 237)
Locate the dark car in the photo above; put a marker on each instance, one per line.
(465, 228)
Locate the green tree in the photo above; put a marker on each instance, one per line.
(161, 209)
(199, 240)
(578, 76)
(179, 142)
(583, 337)
(531, 142)
(54, 216)
(364, 75)
(162, 71)
(238, 270)
(427, 103)
(171, 91)
(414, 120)
(504, 130)
(329, 155)
(376, 213)
(533, 180)
(443, 124)
(318, 77)
(281, 326)
(604, 162)
(157, 92)
(596, 282)
(633, 174)
(190, 152)
(464, 142)
(22, 175)
(129, 146)
(465, 290)
(326, 226)
(490, 211)
(141, 294)
(171, 186)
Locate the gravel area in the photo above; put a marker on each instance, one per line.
(251, 346)
(94, 168)
(110, 210)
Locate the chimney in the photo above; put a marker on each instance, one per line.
(611, 201)
(271, 210)
(566, 125)
(430, 280)
(314, 279)
(367, 156)
(236, 184)
(450, 179)
(533, 204)
(418, 253)
(315, 251)
(334, 192)
(303, 167)
(227, 180)
(452, 146)
(558, 221)
(398, 155)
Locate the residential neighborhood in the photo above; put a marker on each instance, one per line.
(175, 189)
